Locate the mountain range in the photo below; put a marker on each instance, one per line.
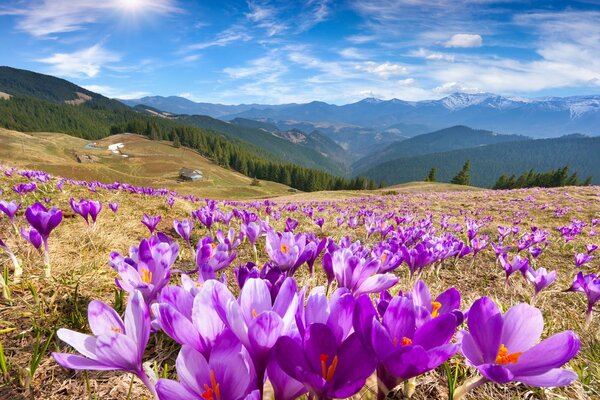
(538, 117)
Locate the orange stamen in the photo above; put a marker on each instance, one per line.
(115, 329)
(212, 392)
(146, 276)
(436, 308)
(254, 314)
(395, 341)
(504, 357)
(284, 249)
(331, 369)
(406, 341)
(384, 257)
(324, 358)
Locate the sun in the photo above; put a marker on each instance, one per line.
(131, 5)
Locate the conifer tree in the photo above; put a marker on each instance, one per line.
(464, 176)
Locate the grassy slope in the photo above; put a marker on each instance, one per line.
(150, 164)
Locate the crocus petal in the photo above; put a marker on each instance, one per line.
(137, 321)
(496, 373)
(485, 326)
(73, 361)
(291, 357)
(522, 328)
(176, 326)
(192, 369)
(103, 319)
(233, 374)
(435, 332)
(172, 390)
(376, 283)
(84, 344)
(553, 378)
(264, 330)
(355, 365)
(552, 352)
(255, 298)
(120, 351)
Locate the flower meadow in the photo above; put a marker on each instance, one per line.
(118, 291)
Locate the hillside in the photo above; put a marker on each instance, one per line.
(149, 163)
(449, 139)
(19, 82)
(284, 149)
(489, 162)
(90, 120)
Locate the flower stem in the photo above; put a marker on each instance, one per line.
(144, 378)
(469, 385)
(47, 268)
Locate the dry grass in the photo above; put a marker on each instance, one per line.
(150, 163)
(81, 273)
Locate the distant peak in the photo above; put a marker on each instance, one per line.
(372, 100)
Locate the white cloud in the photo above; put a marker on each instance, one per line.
(228, 36)
(454, 87)
(432, 55)
(352, 53)
(265, 17)
(407, 82)
(80, 64)
(115, 93)
(383, 70)
(46, 17)
(464, 40)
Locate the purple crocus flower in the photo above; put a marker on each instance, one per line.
(590, 248)
(115, 344)
(226, 375)
(32, 236)
(359, 275)
(328, 367)
(518, 263)
(81, 207)
(540, 279)
(403, 349)
(113, 207)
(10, 209)
(258, 322)
(503, 347)
(95, 208)
(184, 229)
(251, 232)
(285, 249)
(290, 225)
(590, 285)
(582, 258)
(427, 308)
(44, 221)
(147, 269)
(151, 222)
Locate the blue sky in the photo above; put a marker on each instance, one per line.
(297, 51)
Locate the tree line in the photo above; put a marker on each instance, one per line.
(553, 178)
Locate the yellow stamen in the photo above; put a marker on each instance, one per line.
(436, 308)
(284, 249)
(504, 357)
(115, 329)
(384, 257)
(146, 276)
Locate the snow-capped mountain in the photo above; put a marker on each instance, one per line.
(537, 117)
